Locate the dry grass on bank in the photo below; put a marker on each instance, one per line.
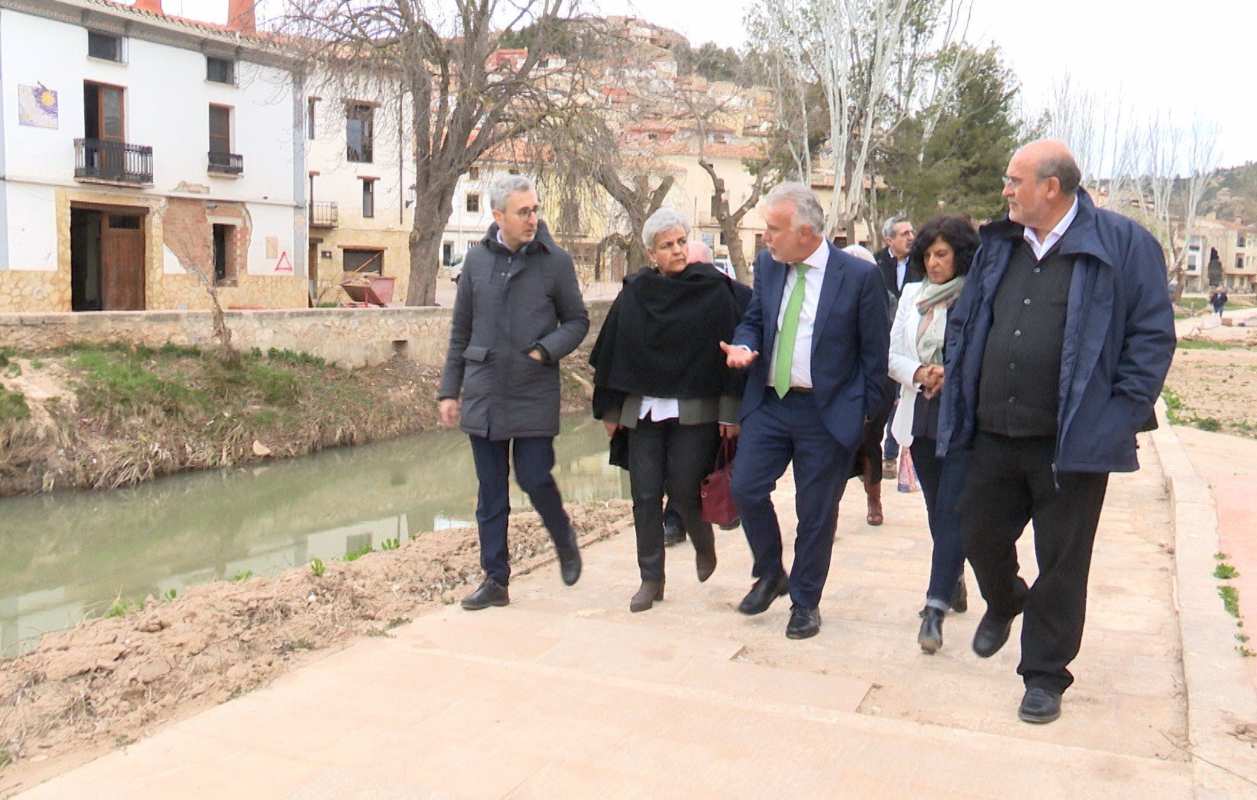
(102, 417)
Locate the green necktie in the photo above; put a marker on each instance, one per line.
(789, 329)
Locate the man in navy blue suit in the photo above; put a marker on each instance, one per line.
(818, 318)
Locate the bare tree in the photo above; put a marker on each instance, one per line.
(869, 57)
(464, 95)
(790, 74)
(1146, 166)
(700, 107)
(1179, 164)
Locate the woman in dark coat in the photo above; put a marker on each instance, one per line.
(944, 249)
(661, 384)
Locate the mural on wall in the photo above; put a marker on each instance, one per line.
(284, 264)
(37, 106)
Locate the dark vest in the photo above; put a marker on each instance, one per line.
(1021, 368)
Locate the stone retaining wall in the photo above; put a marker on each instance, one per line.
(349, 337)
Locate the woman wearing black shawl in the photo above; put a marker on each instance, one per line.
(660, 382)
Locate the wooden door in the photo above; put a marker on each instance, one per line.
(112, 114)
(122, 262)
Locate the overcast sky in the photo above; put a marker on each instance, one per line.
(1181, 58)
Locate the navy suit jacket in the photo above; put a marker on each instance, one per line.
(850, 341)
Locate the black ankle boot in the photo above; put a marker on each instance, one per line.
(931, 635)
(960, 597)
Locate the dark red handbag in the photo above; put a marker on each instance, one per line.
(717, 490)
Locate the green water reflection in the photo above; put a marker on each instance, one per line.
(69, 555)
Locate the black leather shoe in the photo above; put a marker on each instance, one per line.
(489, 593)
(569, 563)
(931, 635)
(991, 634)
(673, 529)
(763, 593)
(804, 623)
(1040, 706)
(960, 597)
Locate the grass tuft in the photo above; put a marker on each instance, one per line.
(1225, 571)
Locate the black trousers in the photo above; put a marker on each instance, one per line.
(674, 458)
(1010, 483)
(534, 460)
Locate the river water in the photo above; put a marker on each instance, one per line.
(69, 555)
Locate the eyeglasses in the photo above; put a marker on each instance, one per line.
(1010, 181)
(527, 212)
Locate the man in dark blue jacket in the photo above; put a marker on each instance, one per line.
(1056, 352)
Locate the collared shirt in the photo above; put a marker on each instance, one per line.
(1053, 236)
(901, 272)
(801, 368)
(502, 242)
(659, 408)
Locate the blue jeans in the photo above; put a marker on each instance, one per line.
(534, 460)
(941, 483)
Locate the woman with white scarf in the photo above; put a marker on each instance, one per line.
(944, 247)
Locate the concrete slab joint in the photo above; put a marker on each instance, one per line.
(1220, 698)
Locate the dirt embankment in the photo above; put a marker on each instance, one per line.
(1212, 383)
(109, 681)
(103, 417)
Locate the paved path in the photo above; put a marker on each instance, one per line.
(565, 694)
(1229, 464)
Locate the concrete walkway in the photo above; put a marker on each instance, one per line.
(1229, 464)
(565, 694)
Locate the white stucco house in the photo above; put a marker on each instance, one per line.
(144, 156)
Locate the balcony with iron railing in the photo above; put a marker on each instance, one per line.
(112, 161)
(226, 163)
(324, 215)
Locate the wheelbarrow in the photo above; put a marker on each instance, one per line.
(377, 291)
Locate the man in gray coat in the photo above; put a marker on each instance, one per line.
(517, 312)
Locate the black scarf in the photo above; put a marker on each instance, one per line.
(662, 337)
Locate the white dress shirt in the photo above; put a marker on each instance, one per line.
(1053, 236)
(659, 408)
(801, 368)
(901, 272)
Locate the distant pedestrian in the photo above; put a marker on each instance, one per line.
(517, 312)
(1218, 299)
(897, 273)
(1056, 352)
